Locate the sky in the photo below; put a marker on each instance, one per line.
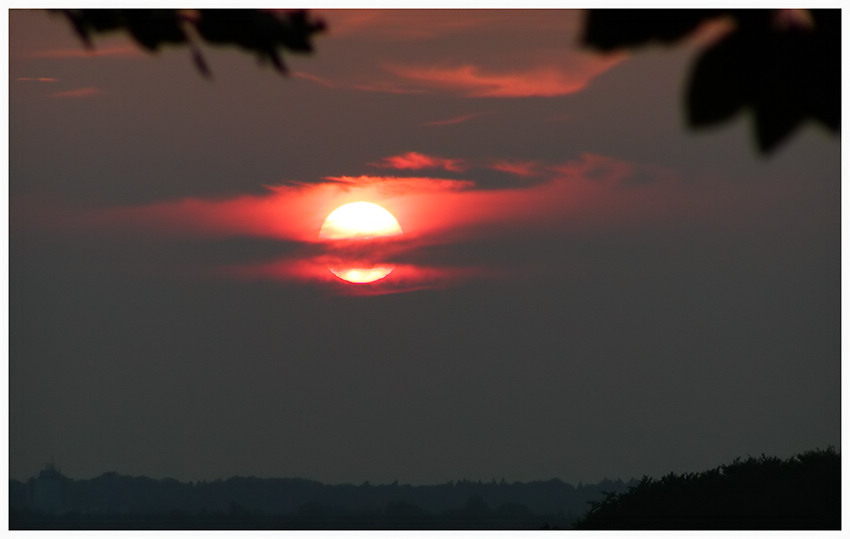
(584, 287)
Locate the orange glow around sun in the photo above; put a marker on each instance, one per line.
(358, 221)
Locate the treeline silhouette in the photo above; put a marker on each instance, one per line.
(766, 493)
(114, 501)
(800, 493)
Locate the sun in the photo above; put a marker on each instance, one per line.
(358, 221)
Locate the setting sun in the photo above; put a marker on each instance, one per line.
(359, 221)
(413, 251)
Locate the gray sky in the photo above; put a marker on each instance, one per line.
(586, 288)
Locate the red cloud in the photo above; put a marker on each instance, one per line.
(596, 167)
(315, 78)
(425, 207)
(473, 81)
(456, 120)
(518, 168)
(395, 186)
(403, 278)
(286, 212)
(416, 161)
(588, 196)
(528, 65)
(385, 87)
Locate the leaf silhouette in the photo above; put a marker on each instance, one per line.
(259, 32)
(715, 91)
(611, 29)
(783, 66)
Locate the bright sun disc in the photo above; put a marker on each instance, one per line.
(359, 221)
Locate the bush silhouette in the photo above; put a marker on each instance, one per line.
(801, 493)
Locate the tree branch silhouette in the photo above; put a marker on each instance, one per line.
(782, 66)
(263, 33)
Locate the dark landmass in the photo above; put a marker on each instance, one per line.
(767, 493)
(114, 501)
(800, 493)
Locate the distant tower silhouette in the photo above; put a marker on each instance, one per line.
(47, 495)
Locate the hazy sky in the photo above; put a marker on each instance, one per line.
(585, 288)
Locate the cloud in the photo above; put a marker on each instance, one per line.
(531, 56)
(455, 120)
(474, 81)
(395, 185)
(88, 91)
(518, 168)
(386, 87)
(293, 215)
(452, 231)
(594, 167)
(292, 212)
(423, 205)
(417, 161)
(403, 278)
(315, 78)
(383, 87)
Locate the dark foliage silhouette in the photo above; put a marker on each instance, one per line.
(259, 32)
(783, 66)
(801, 493)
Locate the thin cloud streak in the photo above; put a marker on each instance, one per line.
(384, 186)
(381, 87)
(315, 78)
(593, 166)
(403, 278)
(385, 87)
(417, 161)
(517, 168)
(474, 81)
(455, 120)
